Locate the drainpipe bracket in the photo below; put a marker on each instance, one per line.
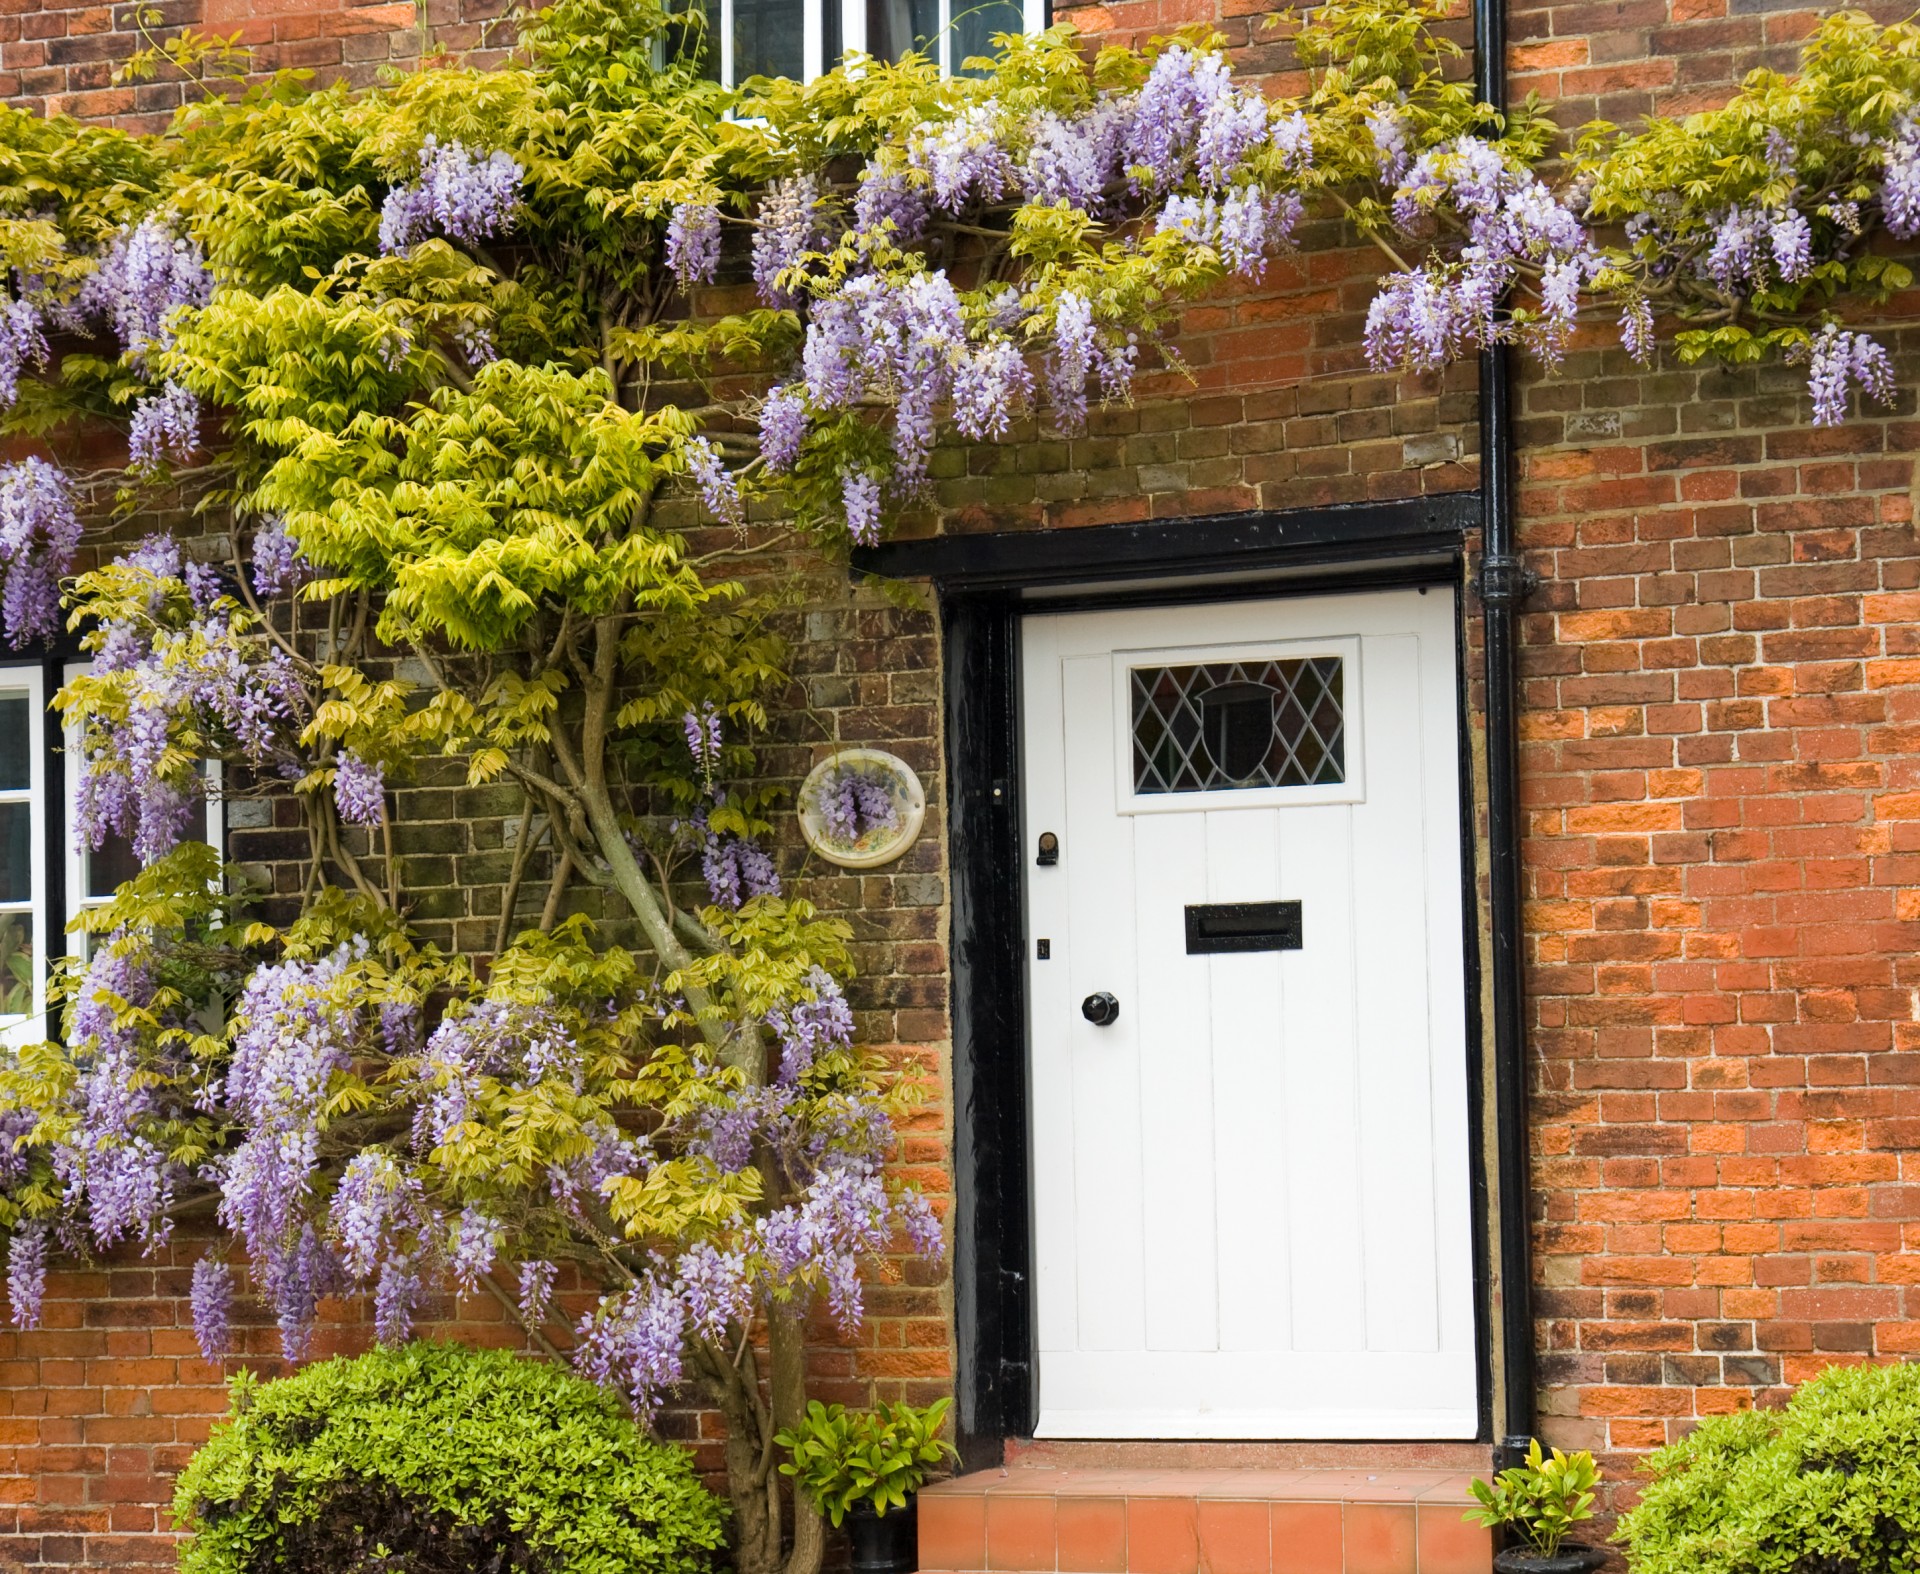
(1505, 579)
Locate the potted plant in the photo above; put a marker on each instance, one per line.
(1538, 1503)
(863, 1468)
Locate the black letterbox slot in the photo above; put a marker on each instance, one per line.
(1242, 926)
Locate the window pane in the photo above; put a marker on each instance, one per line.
(768, 38)
(16, 739)
(975, 25)
(16, 852)
(1229, 725)
(16, 964)
(894, 27)
(110, 865)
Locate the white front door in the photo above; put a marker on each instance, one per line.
(1251, 1186)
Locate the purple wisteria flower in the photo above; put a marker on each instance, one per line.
(131, 780)
(992, 388)
(1388, 128)
(278, 564)
(736, 868)
(1636, 330)
(783, 427)
(359, 789)
(719, 490)
(889, 204)
(144, 276)
(166, 427)
(1838, 360)
(27, 1273)
(1424, 317)
(860, 496)
(635, 1342)
(211, 1300)
(294, 1035)
(1791, 238)
(1072, 360)
(1189, 111)
(963, 159)
(470, 1254)
(1900, 191)
(396, 1298)
(1243, 227)
(716, 1289)
(536, 1290)
(809, 1028)
(466, 198)
(704, 735)
(23, 342)
(1077, 160)
(788, 226)
(693, 243)
(39, 535)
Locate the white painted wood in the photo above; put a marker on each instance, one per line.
(1251, 1191)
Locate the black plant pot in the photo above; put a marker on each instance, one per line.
(1570, 1559)
(885, 1543)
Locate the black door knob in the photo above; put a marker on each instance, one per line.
(1100, 1008)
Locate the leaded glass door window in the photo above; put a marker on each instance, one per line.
(1226, 727)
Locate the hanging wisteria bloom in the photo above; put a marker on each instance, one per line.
(536, 1290)
(736, 868)
(211, 1301)
(704, 735)
(635, 1342)
(23, 343)
(146, 274)
(1078, 159)
(787, 228)
(860, 496)
(1900, 193)
(889, 204)
(1243, 227)
(1840, 360)
(279, 567)
(466, 198)
(360, 789)
(166, 428)
(783, 428)
(718, 488)
(27, 1273)
(166, 673)
(39, 535)
(693, 242)
(963, 159)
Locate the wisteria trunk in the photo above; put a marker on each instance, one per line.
(760, 1545)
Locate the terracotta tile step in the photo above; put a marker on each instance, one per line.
(1040, 1520)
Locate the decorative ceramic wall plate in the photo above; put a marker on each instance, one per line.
(861, 808)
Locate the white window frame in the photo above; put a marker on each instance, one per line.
(853, 33)
(78, 898)
(29, 1027)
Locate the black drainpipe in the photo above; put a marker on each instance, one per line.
(1504, 583)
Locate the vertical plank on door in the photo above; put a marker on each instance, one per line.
(1176, 1084)
(1107, 1157)
(1050, 1074)
(1321, 1131)
(1249, 1092)
(1395, 1062)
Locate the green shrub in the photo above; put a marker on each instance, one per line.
(844, 1457)
(1539, 1501)
(432, 1459)
(1829, 1485)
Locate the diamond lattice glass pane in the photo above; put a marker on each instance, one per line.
(1199, 728)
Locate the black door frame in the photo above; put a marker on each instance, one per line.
(986, 584)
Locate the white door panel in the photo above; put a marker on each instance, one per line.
(1251, 1189)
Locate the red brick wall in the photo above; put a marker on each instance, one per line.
(1722, 697)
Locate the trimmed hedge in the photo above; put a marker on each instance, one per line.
(1828, 1485)
(431, 1459)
